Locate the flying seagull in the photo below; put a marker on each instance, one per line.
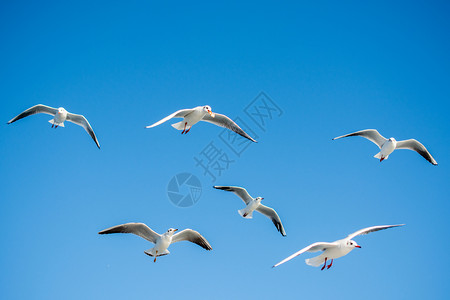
(387, 146)
(254, 204)
(60, 115)
(201, 113)
(161, 241)
(335, 249)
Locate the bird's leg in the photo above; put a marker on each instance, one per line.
(156, 254)
(53, 125)
(56, 126)
(324, 265)
(184, 128)
(188, 129)
(331, 263)
(381, 159)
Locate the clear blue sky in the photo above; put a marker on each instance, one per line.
(333, 68)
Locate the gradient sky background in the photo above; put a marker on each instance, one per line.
(333, 68)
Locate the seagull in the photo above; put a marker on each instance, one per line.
(335, 249)
(387, 146)
(61, 115)
(161, 241)
(254, 204)
(201, 113)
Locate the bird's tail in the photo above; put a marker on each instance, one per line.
(315, 261)
(378, 155)
(151, 252)
(179, 125)
(52, 121)
(245, 214)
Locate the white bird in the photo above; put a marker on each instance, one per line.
(60, 115)
(254, 204)
(201, 113)
(161, 241)
(387, 146)
(335, 249)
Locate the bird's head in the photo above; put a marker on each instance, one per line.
(352, 244)
(61, 110)
(207, 109)
(259, 199)
(171, 231)
(392, 140)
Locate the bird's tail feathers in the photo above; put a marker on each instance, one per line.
(52, 121)
(378, 155)
(151, 252)
(315, 261)
(179, 125)
(245, 214)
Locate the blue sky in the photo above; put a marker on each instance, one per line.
(332, 68)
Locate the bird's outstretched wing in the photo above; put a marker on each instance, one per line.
(272, 214)
(191, 236)
(320, 246)
(178, 114)
(83, 122)
(370, 134)
(371, 229)
(241, 192)
(139, 229)
(224, 121)
(40, 108)
(415, 145)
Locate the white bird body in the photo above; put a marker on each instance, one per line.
(247, 212)
(340, 250)
(60, 117)
(161, 241)
(191, 119)
(386, 149)
(387, 146)
(335, 249)
(161, 245)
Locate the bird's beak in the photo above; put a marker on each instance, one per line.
(358, 246)
(175, 229)
(211, 113)
(262, 198)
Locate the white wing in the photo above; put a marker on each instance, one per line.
(371, 229)
(320, 246)
(370, 134)
(241, 192)
(35, 110)
(139, 229)
(224, 121)
(191, 236)
(178, 114)
(418, 147)
(83, 122)
(272, 214)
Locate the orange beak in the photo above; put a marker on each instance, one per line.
(211, 113)
(175, 229)
(358, 246)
